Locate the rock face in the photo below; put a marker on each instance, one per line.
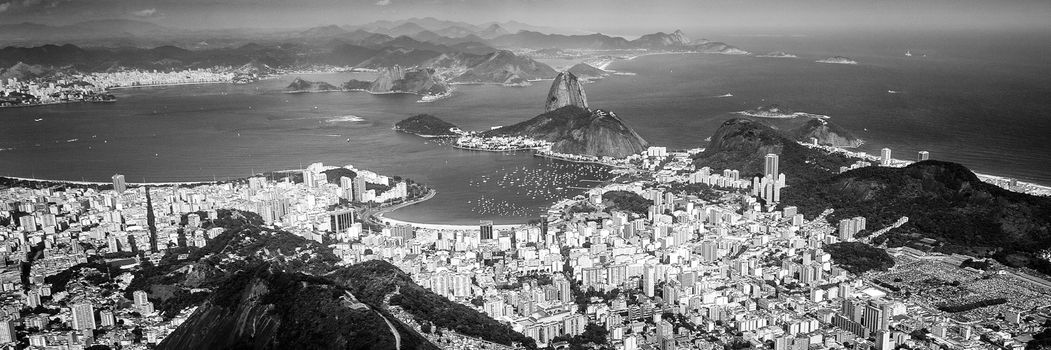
(662, 40)
(575, 130)
(826, 133)
(566, 91)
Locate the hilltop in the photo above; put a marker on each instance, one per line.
(826, 133)
(575, 130)
(587, 71)
(743, 144)
(566, 91)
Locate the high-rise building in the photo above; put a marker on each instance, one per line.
(884, 156)
(118, 183)
(771, 166)
(140, 297)
(83, 316)
(358, 190)
(486, 227)
(308, 178)
(649, 280)
(340, 220)
(106, 318)
(7, 331)
(923, 155)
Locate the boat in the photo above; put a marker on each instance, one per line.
(38, 119)
(908, 53)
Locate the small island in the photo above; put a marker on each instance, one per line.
(429, 126)
(838, 60)
(587, 72)
(300, 86)
(776, 111)
(778, 54)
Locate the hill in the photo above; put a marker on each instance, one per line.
(587, 71)
(502, 67)
(743, 144)
(426, 125)
(300, 85)
(265, 309)
(944, 201)
(258, 287)
(826, 133)
(575, 130)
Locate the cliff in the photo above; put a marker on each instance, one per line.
(826, 133)
(300, 85)
(427, 125)
(662, 40)
(566, 91)
(575, 130)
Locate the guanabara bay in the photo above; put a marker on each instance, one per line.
(510, 175)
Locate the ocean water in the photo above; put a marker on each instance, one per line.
(981, 110)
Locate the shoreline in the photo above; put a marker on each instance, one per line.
(379, 215)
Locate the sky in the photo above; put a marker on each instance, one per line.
(622, 17)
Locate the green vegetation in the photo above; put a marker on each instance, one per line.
(943, 201)
(626, 201)
(426, 125)
(858, 257)
(594, 336)
(371, 281)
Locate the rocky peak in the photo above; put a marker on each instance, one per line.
(566, 91)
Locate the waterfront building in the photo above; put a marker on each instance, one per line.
(118, 183)
(922, 156)
(884, 157)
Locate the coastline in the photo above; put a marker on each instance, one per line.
(379, 215)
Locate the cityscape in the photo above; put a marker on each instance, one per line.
(476, 197)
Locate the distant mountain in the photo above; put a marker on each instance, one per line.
(575, 130)
(300, 85)
(324, 32)
(825, 132)
(427, 125)
(565, 91)
(500, 67)
(586, 71)
(422, 81)
(455, 32)
(408, 28)
(661, 40)
(537, 40)
(494, 30)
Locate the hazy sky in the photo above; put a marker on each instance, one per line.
(611, 16)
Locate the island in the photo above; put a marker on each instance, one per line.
(837, 60)
(776, 111)
(426, 125)
(301, 86)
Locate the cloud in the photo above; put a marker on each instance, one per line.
(150, 12)
(382, 2)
